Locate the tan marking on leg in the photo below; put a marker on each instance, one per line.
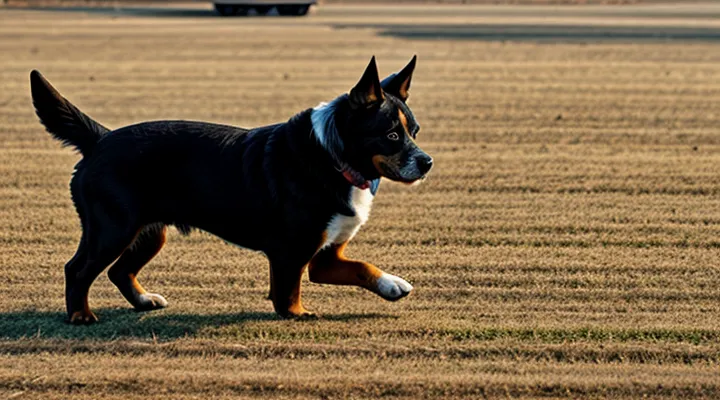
(286, 288)
(124, 272)
(136, 286)
(83, 317)
(286, 291)
(332, 267)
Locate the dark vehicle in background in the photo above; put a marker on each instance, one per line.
(261, 7)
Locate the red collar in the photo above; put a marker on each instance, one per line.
(355, 178)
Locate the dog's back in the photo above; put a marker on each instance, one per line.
(177, 172)
(152, 169)
(184, 173)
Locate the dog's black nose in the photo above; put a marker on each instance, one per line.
(424, 163)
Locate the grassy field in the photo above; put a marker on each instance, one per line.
(566, 245)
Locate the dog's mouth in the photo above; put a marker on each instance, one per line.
(407, 181)
(416, 181)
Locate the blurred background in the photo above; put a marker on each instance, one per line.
(565, 245)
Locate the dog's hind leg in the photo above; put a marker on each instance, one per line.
(80, 258)
(105, 240)
(330, 266)
(124, 272)
(73, 266)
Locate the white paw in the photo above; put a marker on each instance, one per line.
(152, 301)
(393, 287)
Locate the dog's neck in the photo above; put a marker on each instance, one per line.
(315, 162)
(326, 133)
(355, 178)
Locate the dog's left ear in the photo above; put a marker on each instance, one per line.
(367, 92)
(398, 84)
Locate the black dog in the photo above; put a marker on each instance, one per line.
(297, 191)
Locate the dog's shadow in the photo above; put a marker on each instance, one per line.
(123, 324)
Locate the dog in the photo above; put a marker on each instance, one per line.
(297, 191)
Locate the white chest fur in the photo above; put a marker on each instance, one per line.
(342, 228)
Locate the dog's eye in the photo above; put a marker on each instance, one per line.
(393, 136)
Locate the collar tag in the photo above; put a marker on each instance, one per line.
(374, 185)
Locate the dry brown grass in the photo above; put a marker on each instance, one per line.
(566, 245)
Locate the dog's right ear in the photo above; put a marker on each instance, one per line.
(398, 84)
(367, 92)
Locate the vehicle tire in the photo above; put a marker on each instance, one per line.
(298, 10)
(226, 10)
(262, 10)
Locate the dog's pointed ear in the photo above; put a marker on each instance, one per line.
(398, 84)
(367, 92)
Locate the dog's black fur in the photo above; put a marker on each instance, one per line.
(273, 189)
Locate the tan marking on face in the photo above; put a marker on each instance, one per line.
(403, 120)
(383, 163)
(377, 161)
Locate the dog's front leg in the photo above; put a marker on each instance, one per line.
(330, 266)
(285, 281)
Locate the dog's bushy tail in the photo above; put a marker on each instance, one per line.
(62, 119)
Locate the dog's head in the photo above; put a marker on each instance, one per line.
(371, 131)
